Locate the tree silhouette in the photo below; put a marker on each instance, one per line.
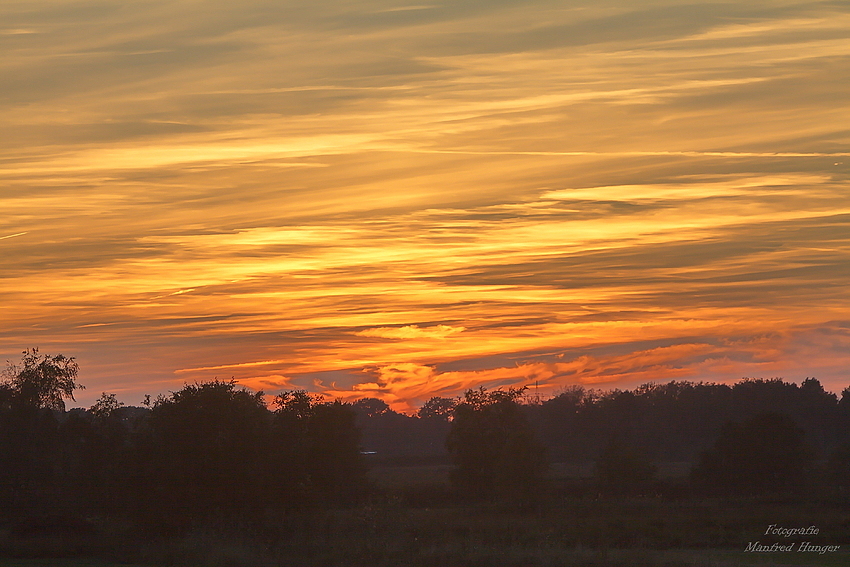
(370, 407)
(296, 405)
(333, 451)
(41, 381)
(493, 447)
(201, 454)
(105, 406)
(94, 450)
(31, 396)
(316, 449)
(438, 408)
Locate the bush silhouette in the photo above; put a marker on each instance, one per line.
(766, 453)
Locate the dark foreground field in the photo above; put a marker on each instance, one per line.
(619, 558)
(413, 518)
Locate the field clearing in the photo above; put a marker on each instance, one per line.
(59, 562)
(395, 477)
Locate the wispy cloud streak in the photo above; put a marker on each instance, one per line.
(12, 235)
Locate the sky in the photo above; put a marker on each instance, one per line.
(397, 200)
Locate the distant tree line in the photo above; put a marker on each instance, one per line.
(216, 452)
(752, 436)
(679, 420)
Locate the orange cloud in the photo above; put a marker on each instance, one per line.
(406, 385)
(411, 332)
(271, 382)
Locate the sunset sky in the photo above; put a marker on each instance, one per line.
(373, 198)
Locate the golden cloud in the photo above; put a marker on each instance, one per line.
(411, 332)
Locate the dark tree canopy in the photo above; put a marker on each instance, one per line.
(370, 407)
(438, 408)
(295, 404)
(493, 446)
(41, 381)
(316, 447)
(202, 450)
(105, 406)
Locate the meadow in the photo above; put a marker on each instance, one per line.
(412, 516)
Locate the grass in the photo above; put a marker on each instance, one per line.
(413, 519)
(480, 557)
(59, 562)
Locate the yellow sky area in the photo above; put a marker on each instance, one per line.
(397, 201)
(460, 94)
(375, 260)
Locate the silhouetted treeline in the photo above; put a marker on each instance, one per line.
(678, 421)
(213, 451)
(207, 452)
